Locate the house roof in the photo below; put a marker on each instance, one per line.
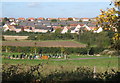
(21, 18)
(11, 18)
(52, 18)
(31, 18)
(73, 24)
(32, 24)
(23, 23)
(63, 18)
(40, 18)
(91, 25)
(72, 28)
(84, 18)
(58, 27)
(42, 27)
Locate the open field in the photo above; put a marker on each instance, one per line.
(102, 63)
(74, 68)
(43, 43)
(10, 37)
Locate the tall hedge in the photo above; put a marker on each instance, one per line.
(51, 50)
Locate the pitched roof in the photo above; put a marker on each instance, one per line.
(31, 18)
(21, 18)
(91, 25)
(40, 18)
(84, 18)
(42, 27)
(58, 27)
(63, 18)
(72, 28)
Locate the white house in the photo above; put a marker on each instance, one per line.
(65, 30)
(76, 29)
(87, 27)
(99, 30)
(76, 19)
(85, 19)
(17, 30)
(5, 27)
(12, 23)
(40, 30)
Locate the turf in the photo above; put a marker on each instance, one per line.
(101, 64)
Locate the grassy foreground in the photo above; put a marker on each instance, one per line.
(77, 68)
(101, 63)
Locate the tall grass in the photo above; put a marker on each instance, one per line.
(33, 74)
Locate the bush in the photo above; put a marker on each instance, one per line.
(52, 50)
(32, 74)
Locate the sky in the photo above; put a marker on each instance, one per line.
(53, 9)
(56, 0)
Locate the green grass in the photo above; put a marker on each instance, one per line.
(101, 64)
(35, 40)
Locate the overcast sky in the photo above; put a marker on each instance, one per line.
(53, 9)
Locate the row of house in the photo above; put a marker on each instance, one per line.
(45, 26)
(41, 18)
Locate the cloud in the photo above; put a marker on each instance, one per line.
(32, 4)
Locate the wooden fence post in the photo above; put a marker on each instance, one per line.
(94, 72)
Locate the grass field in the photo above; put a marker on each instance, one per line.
(52, 43)
(102, 63)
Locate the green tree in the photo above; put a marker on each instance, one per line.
(5, 20)
(70, 19)
(58, 30)
(54, 20)
(110, 20)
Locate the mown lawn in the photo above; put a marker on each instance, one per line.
(101, 63)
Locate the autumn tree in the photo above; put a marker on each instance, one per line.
(70, 19)
(110, 20)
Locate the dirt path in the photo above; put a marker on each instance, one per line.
(79, 58)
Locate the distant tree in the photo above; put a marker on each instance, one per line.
(91, 52)
(80, 20)
(53, 20)
(3, 39)
(5, 20)
(70, 19)
(62, 25)
(69, 30)
(110, 20)
(58, 30)
(103, 40)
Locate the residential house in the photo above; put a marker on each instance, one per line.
(21, 18)
(65, 30)
(93, 19)
(31, 19)
(13, 23)
(1, 19)
(6, 27)
(100, 29)
(11, 19)
(62, 19)
(76, 19)
(18, 29)
(9, 27)
(85, 19)
(92, 26)
(42, 29)
(40, 18)
(52, 18)
(57, 27)
(75, 29)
